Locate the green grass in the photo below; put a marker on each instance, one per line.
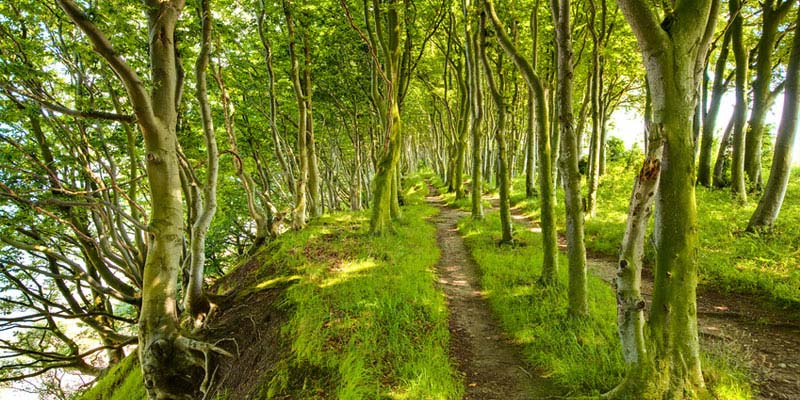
(583, 356)
(368, 321)
(122, 382)
(366, 318)
(729, 259)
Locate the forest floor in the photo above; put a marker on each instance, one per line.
(765, 336)
(490, 362)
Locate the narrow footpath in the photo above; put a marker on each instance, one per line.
(490, 362)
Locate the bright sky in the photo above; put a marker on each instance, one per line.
(627, 124)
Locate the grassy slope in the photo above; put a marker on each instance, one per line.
(366, 319)
(367, 313)
(729, 258)
(123, 382)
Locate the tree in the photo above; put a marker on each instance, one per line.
(772, 14)
(169, 360)
(770, 204)
(503, 183)
(740, 110)
(710, 117)
(547, 199)
(667, 365)
(576, 251)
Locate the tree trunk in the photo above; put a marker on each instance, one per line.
(301, 192)
(772, 13)
(194, 300)
(476, 106)
(576, 252)
(710, 119)
(500, 138)
(675, 49)
(770, 204)
(740, 110)
(547, 199)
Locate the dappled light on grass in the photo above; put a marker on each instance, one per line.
(367, 316)
(346, 269)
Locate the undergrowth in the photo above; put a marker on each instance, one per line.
(583, 355)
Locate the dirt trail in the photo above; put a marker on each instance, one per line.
(768, 338)
(490, 362)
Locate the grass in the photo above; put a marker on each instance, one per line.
(122, 382)
(583, 356)
(366, 318)
(368, 321)
(728, 258)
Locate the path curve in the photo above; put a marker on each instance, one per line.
(490, 362)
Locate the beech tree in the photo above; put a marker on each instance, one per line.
(663, 358)
(576, 250)
(169, 359)
(770, 204)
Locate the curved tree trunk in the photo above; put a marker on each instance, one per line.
(770, 204)
(547, 199)
(503, 183)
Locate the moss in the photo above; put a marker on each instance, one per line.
(121, 382)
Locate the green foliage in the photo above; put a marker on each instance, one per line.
(615, 148)
(122, 382)
(367, 320)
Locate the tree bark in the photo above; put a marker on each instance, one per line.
(576, 251)
(770, 204)
(674, 49)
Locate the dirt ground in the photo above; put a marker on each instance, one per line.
(490, 362)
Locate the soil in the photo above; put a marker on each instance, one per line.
(766, 337)
(248, 326)
(489, 361)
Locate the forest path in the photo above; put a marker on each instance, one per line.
(490, 362)
(768, 338)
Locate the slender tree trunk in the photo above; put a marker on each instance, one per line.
(723, 161)
(301, 192)
(500, 138)
(547, 199)
(475, 104)
(740, 110)
(772, 13)
(770, 204)
(709, 122)
(576, 252)
(194, 300)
